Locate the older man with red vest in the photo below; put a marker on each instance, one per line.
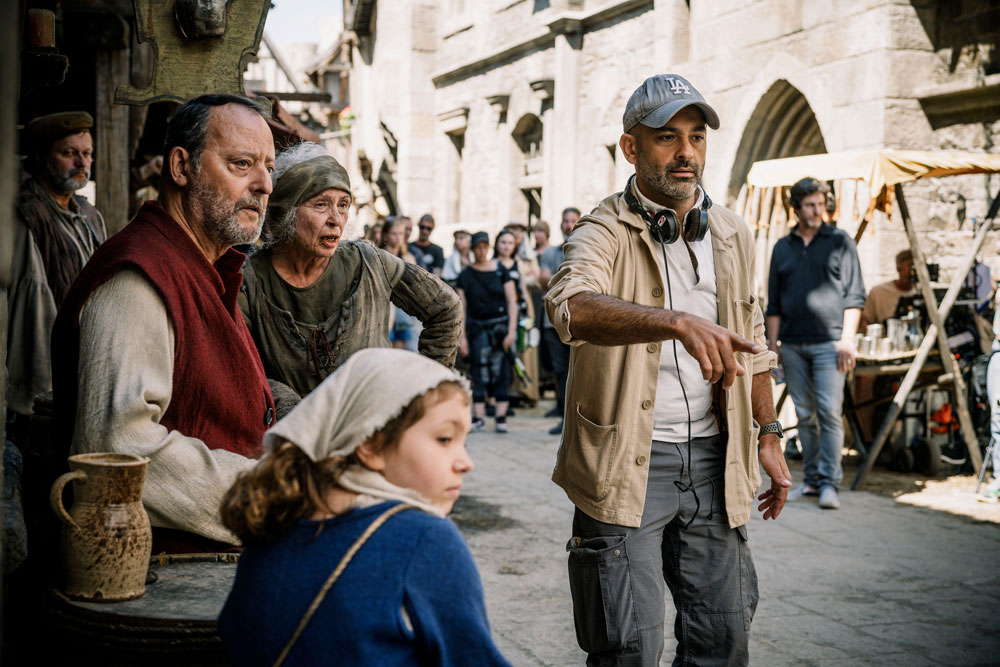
(150, 352)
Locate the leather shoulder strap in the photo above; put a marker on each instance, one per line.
(337, 571)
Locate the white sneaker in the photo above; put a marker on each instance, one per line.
(802, 490)
(828, 498)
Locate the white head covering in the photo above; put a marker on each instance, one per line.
(368, 391)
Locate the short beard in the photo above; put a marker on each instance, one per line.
(665, 184)
(63, 182)
(808, 224)
(220, 220)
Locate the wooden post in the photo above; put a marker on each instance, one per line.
(111, 147)
(10, 81)
(941, 313)
(947, 358)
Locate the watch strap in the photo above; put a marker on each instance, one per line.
(772, 427)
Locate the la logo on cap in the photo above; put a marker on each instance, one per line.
(678, 87)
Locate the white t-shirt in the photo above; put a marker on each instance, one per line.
(697, 297)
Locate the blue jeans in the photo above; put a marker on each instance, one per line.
(817, 390)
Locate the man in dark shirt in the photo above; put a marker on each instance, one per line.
(429, 255)
(815, 296)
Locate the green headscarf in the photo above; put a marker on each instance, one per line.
(303, 182)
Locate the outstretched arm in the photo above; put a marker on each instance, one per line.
(605, 320)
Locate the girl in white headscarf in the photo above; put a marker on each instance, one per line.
(315, 585)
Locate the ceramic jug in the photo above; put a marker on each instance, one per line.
(106, 537)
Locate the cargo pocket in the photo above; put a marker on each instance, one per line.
(599, 581)
(589, 464)
(748, 578)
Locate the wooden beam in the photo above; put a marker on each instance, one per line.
(289, 96)
(947, 358)
(111, 139)
(917, 364)
(10, 71)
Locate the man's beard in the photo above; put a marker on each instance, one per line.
(220, 220)
(665, 184)
(811, 224)
(64, 182)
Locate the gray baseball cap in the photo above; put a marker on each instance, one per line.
(660, 97)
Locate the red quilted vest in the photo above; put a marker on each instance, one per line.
(220, 394)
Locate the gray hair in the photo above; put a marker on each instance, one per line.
(293, 155)
(280, 232)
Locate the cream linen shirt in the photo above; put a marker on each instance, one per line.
(603, 459)
(125, 385)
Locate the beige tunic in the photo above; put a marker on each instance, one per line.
(126, 382)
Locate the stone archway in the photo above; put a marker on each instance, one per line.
(782, 125)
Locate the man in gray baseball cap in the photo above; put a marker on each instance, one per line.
(660, 451)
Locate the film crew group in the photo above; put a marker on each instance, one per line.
(669, 377)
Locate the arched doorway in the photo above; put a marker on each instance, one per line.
(782, 125)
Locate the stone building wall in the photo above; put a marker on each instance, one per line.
(787, 77)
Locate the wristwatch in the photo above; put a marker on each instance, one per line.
(773, 427)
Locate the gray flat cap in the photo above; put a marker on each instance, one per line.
(660, 97)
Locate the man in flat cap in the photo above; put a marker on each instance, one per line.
(668, 379)
(150, 352)
(55, 233)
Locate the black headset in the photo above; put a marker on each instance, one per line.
(663, 226)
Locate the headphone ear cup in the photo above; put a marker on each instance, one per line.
(696, 225)
(664, 228)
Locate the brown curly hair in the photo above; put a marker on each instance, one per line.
(288, 486)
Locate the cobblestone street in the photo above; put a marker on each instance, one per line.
(879, 582)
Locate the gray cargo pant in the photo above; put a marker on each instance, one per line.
(617, 574)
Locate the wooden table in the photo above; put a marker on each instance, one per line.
(173, 623)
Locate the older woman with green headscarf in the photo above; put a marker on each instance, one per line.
(311, 300)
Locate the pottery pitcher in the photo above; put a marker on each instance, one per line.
(106, 537)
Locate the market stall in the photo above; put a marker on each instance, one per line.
(869, 183)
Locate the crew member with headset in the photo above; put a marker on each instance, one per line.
(668, 381)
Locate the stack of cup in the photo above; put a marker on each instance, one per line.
(895, 332)
(872, 341)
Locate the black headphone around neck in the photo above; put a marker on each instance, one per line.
(663, 225)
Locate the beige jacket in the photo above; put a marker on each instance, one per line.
(602, 462)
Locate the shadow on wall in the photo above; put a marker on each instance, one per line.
(965, 34)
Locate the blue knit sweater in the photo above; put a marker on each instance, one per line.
(415, 562)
